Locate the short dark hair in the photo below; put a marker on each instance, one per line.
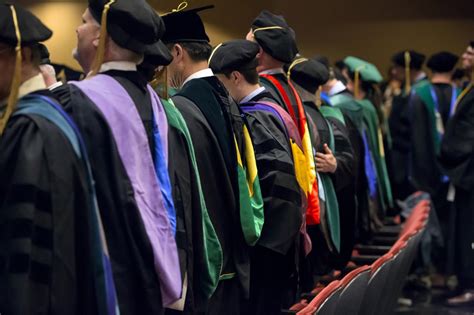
(250, 75)
(35, 55)
(197, 51)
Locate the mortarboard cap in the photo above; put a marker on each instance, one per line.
(18, 28)
(185, 26)
(416, 59)
(32, 30)
(133, 25)
(158, 54)
(310, 74)
(275, 37)
(367, 71)
(155, 55)
(234, 55)
(363, 71)
(442, 62)
(322, 59)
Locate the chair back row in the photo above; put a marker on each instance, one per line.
(374, 289)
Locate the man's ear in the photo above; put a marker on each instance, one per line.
(260, 52)
(236, 77)
(178, 52)
(95, 42)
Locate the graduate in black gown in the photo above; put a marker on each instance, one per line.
(278, 47)
(215, 125)
(272, 259)
(456, 158)
(407, 68)
(339, 96)
(199, 249)
(430, 106)
(309, 76)
(144, 283)
(50, 249)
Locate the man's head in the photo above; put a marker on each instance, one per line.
(32, 31)
(156, 58)
(309, 74)
(468, 57)
(131, 27)
(235, 64)
(362, 71)
(188, 42)
(188, 57)
(443, 62)
(414, 60)
(276, 39)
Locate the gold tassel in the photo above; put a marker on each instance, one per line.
(183, 5)
(407, 73)
(16, 82)
(160, 81)
(293, 64)
(100, 54)
(213, 52)
(356, 83)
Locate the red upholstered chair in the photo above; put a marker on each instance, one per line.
(353, 287)
(380, 273)
(325, 302)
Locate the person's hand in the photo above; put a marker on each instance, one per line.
(326, 162)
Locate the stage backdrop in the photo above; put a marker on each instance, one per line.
(366, 28)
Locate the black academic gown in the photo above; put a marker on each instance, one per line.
(44, 217)
(399, 123)
(273, 258)
(457, 159)
(343, 180)
(188, 219)
(426, 173)
(209, 114)
(137, 285)
(354, 125)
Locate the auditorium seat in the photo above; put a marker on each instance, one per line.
(353, 286)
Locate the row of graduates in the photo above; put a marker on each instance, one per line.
(429, 126)
(231, 196)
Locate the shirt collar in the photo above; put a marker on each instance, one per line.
(205, 73)
(421, 76)
(34, 84)
(118, 65)
(249, 97)
(55, 85)
(273, 71)
(337, 88)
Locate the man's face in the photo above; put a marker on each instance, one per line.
(7, 64)
(468, 58)
(88, 34)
